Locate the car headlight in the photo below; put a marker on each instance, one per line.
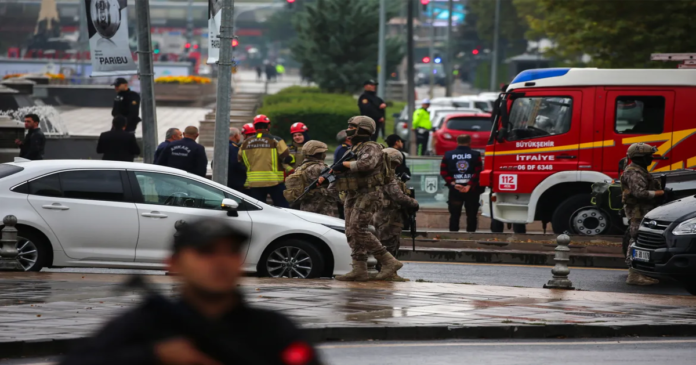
(341, 229)
(686, 227)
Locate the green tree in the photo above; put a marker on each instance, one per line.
(616, 34)
(481, 19)
(337, 43)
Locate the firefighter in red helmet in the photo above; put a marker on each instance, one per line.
(299, 133)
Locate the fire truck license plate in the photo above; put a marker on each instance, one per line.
(639, 255)
(507, 182)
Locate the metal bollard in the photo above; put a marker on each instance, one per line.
(561, 271)
(9, 256)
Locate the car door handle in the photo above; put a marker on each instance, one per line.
(566, 157)
(55, 206)
(154, 215)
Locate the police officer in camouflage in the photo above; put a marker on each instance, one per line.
(320, 200)
(362, 180)
(641, 193)
(389, 220)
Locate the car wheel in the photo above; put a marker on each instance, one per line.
(690, 287)
(578, 215)
(519, 228)
(292, 259)
(497, 226)
(33, 250)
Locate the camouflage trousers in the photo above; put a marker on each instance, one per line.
(359, 210)
(635, 214)
(389, 224)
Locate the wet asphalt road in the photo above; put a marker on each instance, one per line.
(634, 351)
(608, 280)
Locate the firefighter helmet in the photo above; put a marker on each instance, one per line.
(261, 119)
(248, 129)
(362, 122)
(313, 147)
(298, 128)
(640, 149)
(394, 155)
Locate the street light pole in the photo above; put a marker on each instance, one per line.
(410, 74)
(147, 82)
(382, 58)
(221, 147)
(494, 59)
(432, 51)
(449, 62)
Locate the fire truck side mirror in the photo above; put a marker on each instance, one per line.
(501, 134)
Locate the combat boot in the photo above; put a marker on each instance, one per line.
(636, 278)
(359, 272)
(390, 266)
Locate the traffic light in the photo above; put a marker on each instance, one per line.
(426, 59)
(437, 59)
(290, 3)
(187, 45)
(425, 4)
(475, 52)
(235, 42)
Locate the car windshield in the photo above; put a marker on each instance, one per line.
(469, 124)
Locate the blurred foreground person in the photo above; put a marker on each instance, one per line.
(208, 255)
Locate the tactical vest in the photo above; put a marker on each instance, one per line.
(388, 202)
(370, 180)
(298, 181)
(626, 196)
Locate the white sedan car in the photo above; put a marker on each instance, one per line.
(88, 213)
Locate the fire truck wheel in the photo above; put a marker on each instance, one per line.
(577, 215)
(497, 226)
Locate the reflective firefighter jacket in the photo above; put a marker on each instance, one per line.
(263, 155)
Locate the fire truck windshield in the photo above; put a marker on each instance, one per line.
(532, 117)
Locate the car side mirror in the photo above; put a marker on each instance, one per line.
(231, 207)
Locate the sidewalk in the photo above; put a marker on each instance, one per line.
(43, 313)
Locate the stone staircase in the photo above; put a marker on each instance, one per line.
(242, 110)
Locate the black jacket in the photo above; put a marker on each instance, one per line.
(369, 104)
(118, 145)
(462, 166)
(403, 168)
(187, 155)
(247, 336)
(32, 148)
(160, 148)
(236, 171)
(127, 104)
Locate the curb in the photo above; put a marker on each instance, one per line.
(412, 333)
(509, 257)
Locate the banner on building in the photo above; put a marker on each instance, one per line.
(214, 20)
(107, 25)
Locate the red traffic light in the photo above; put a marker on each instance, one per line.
(425, 2)
(235, 43)
(290, 1)
(195, 46)
(187, 45)
(475, 52)
(426, 59)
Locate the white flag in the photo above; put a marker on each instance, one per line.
(107, 23)
(214, 20)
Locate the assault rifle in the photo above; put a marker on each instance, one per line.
(328, 174)
(411, 216)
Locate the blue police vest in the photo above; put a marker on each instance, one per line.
(460, 164)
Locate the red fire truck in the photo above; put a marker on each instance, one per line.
(558, 131)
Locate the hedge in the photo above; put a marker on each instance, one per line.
(300, 90)
(290, 98)
(323, 119)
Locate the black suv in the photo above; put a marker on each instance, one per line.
(666, 244)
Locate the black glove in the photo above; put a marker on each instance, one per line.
(416, 208)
